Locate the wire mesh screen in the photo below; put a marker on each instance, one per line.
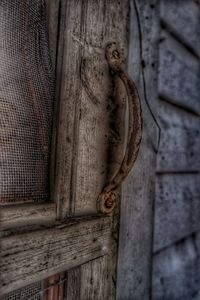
(26, 96)
(52, 288)
(30, 292)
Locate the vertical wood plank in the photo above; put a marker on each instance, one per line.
(135, 246)
(82, 144)
(101, 22)
(73, 284)
(83, 130)
(96, 280)
(98, 277)
(68, 91)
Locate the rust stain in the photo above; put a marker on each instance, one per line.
(115, 60)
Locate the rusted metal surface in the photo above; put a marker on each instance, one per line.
(55, 289)
(107, 199)
(52, 291)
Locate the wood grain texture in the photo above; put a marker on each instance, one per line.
(99, 23)
(177, 208)
(88, 140)
(67, 95)
(98, 277)
(27, 214)
(95, 279)
(179, 74)
(183, 19)
(177, 271)
(180, 140)
(30, 257)
(134, 265)
(92, 280)
(84, 94)
(73, 286)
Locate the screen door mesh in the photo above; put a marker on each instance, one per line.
(26, 101)
(30, 292)
(52, 288)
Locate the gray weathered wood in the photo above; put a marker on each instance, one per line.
(179, 74)
(176, 238)
(183, 19)
(177, 271)
(96, 279)
(68, 91)
(13, 216)
(30, 257)
(176, 234)
(180, 140)
(82, 149)
(99, 25)
(134, 280)
(92, 280)
(73, 287)
(177, 208)
(84, 88)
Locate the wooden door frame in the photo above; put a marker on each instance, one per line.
(44, 227)
(43, 231)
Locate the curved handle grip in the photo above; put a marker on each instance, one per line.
(107, 198)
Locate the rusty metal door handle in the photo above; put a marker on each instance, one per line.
(107, 199)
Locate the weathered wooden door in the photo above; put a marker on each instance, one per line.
(73, 239)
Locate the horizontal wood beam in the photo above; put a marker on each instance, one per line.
(13, 216)
(32, 256)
